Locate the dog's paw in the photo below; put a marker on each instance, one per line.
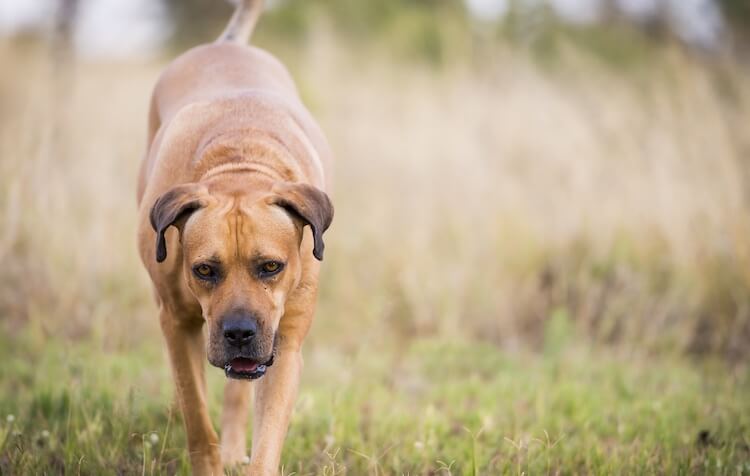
(234, 456)
(258, 470)
(238, 466)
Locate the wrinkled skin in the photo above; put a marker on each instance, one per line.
(235, 234)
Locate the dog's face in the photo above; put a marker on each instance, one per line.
(240, 261)
(241, 258)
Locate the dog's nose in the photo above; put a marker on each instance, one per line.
(239, 331)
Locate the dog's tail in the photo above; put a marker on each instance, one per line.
(243, 21)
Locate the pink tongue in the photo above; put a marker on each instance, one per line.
(244, 365)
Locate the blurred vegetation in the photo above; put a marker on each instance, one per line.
(737, 13)
(544, 109)
(443, 30)
(411, 29)
(540, 261)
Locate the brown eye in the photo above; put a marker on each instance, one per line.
(270, 268)
(204, 271)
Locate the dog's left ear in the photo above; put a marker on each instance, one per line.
(309, 205)
(174, 208)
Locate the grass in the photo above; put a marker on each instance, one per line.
(433, 407)
(536, 267)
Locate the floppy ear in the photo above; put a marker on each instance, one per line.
(173, 208)
(309, 205)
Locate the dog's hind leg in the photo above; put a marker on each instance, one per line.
(234, 420)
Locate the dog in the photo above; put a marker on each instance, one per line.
(232, 210)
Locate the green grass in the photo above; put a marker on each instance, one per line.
(433, 407)
(505, 205)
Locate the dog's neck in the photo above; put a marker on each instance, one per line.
(246, 151)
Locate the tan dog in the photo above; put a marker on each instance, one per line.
(232, 215)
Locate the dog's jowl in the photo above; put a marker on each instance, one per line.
(233, 208)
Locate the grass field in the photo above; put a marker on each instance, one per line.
(433, 407)
(537, 266)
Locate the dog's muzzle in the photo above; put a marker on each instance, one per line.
(239, 330)
(244, 368)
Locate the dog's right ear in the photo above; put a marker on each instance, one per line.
(174, 208)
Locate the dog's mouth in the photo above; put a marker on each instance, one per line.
(244, 368)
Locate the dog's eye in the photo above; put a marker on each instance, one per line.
(270, 268)
(204, 271)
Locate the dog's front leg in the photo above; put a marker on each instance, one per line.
(275, 395)
(234, 420)
(186, 354)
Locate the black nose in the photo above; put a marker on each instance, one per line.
(239, 331)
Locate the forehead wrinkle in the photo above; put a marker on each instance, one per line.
(247, 228)
(226, 207)
(228, 211)
(234, 223)
(241, 226)
(267, 229)
(237, 233)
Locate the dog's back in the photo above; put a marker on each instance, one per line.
(220, 70)
(229, 69)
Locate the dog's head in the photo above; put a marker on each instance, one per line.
(241, 258)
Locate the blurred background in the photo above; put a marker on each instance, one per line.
(499, 162)
(523, 176)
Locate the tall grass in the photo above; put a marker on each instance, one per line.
(475, 199)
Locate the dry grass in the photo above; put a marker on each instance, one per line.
(471, 199)
(483, 208)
